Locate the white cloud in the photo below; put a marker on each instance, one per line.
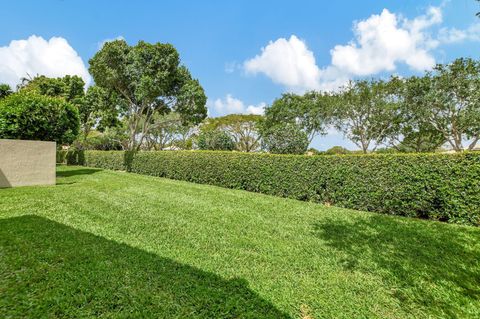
(454, 35)
(231, 105)
(288, 62)
(257, 109)
(37, 56)
(381, 43)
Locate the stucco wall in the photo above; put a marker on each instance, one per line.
(24, 163)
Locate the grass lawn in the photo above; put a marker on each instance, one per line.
(120, 245)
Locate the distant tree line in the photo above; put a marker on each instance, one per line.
(414, 114)
(144, 99)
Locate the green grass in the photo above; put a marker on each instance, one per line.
(120, 245)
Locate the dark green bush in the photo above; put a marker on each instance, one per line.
(61, 156)
(106, 159)
(285, 139)
(215, 140)
(337, 150)
(75, 157)
(31, 116)
(443, 187)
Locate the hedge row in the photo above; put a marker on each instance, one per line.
(443, 187)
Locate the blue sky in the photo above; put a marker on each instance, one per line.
(323, 42)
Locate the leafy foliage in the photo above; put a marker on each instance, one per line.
(311, 112)
(337, 150)
(215, 140)
(69, 87)
(5, 90)
(151, 81)
(243, 128)
(366, 112)
(97, 107)
(448, 101)
(100, 109)
(411, 185)
(31, 116)
(112, 138)
(424, 139)
(166, 130)
(285, 139)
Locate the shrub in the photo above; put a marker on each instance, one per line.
(75, 157)
(285, 139)
(102, 142)
(106, 159)
(386, 150)
(30, 116)
(215, 140)
(61, 156)
(443, 187)
(337, 150)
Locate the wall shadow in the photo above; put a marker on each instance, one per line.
(4, 182)
(80, 171)
(418, 260)
(52, 270)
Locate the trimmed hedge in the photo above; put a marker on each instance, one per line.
(442, 187)
(114, 160)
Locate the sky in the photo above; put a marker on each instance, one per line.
(246, 53)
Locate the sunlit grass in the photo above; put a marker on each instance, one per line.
(113, 244)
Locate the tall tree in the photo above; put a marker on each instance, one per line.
(367, 112)
(99, 108)
(448, 100)
(151, 80)
(410, 132)
(243, 128)
(311, 112)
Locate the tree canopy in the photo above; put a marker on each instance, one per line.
(31, 116)
(286, 138)
(215, 140)
(367, 112)
(311, 112)
(71, 88)
(243, 128)
(447, 101)
(151, 80)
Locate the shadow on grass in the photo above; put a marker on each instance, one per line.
(51, 270)
(427, 264)
(80, 171)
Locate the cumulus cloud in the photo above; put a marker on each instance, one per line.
(230, 105)
(288, 62)
(381, 43)
(384, 40)
(35, 55)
